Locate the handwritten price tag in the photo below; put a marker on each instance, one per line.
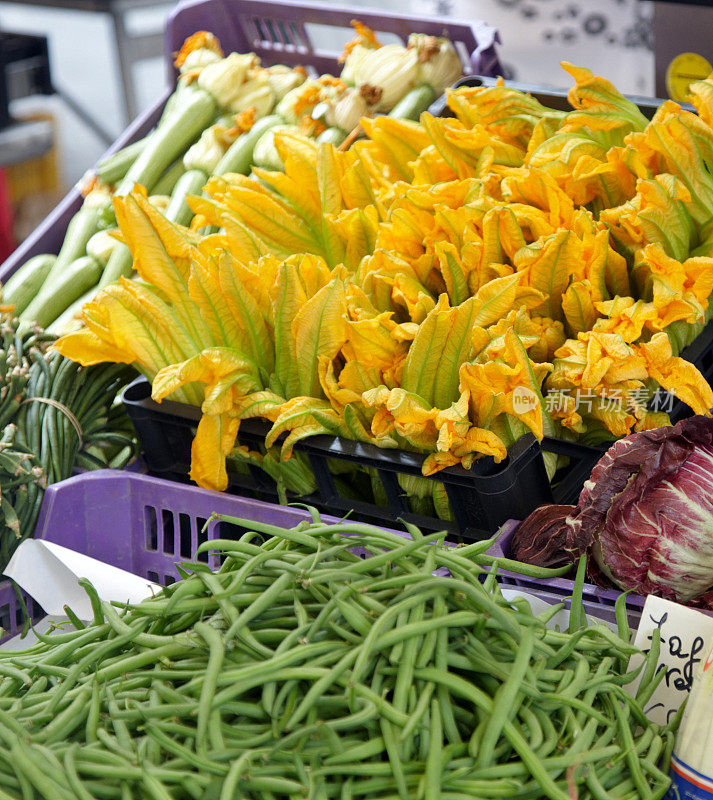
(686, 635)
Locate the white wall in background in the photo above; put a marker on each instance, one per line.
(82, 58)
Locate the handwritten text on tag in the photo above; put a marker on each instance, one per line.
(686, 635)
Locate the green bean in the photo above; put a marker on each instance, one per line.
(394, 756)
(230, 784)
(38, 774)
(461, 687)
(646, 684)
(637, 774)
(75, 782)
(67, 720)
(432, 776)
(504, 703)
(418, 712)
(205, 710)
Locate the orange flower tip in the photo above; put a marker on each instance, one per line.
(88, 182)
(330, 80)
(200, 39)
(365, 36)
(245, 120)
(308, 97)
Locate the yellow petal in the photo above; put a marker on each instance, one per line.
(174, 376)
(548, 265)
(86, 348)
(215, 438)
(319, 329)
(578, 307)
(676, 375)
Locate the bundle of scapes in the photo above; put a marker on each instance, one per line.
(300, 669)
(55, 416)
(222, 119)
(443, 287)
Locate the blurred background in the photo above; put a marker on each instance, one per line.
(105, 65)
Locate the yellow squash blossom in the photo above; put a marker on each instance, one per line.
(511, 376)
(416, 290)
(676, 375)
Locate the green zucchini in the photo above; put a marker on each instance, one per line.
(239, 156)
(80, 276)
(24, 284)
(191, 182)
(84, 224)
(167, 182)
(177, 99)
(171, 139)
(119, 265)
(114, 167)
(333, 135)
(414, 103)
(65, 321)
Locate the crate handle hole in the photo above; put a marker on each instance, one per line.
(151, 528)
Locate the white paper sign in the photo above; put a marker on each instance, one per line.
(538, 605)
(686, 636)
(49, 573)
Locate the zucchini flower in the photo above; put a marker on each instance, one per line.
(345, 110)
(438, 63)
(256, 93)
(355, 51)
(393, 69)
(354, 63)
(676, 375)
(283, 79)
(265, 154)
(224, 79)
(197, 52)
(101, 246)
(99, 197)
(299, 102)
(198, 59)
(228, 128)
(206, 152)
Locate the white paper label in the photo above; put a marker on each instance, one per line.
(49, 573)
(686, 635)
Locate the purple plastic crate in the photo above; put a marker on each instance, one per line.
(281, 32)
(598, 600)
(135, 522)
(145, 525)
(277, 32)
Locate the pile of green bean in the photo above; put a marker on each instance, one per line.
(299, 670)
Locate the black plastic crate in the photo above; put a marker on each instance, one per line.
(481, 498)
